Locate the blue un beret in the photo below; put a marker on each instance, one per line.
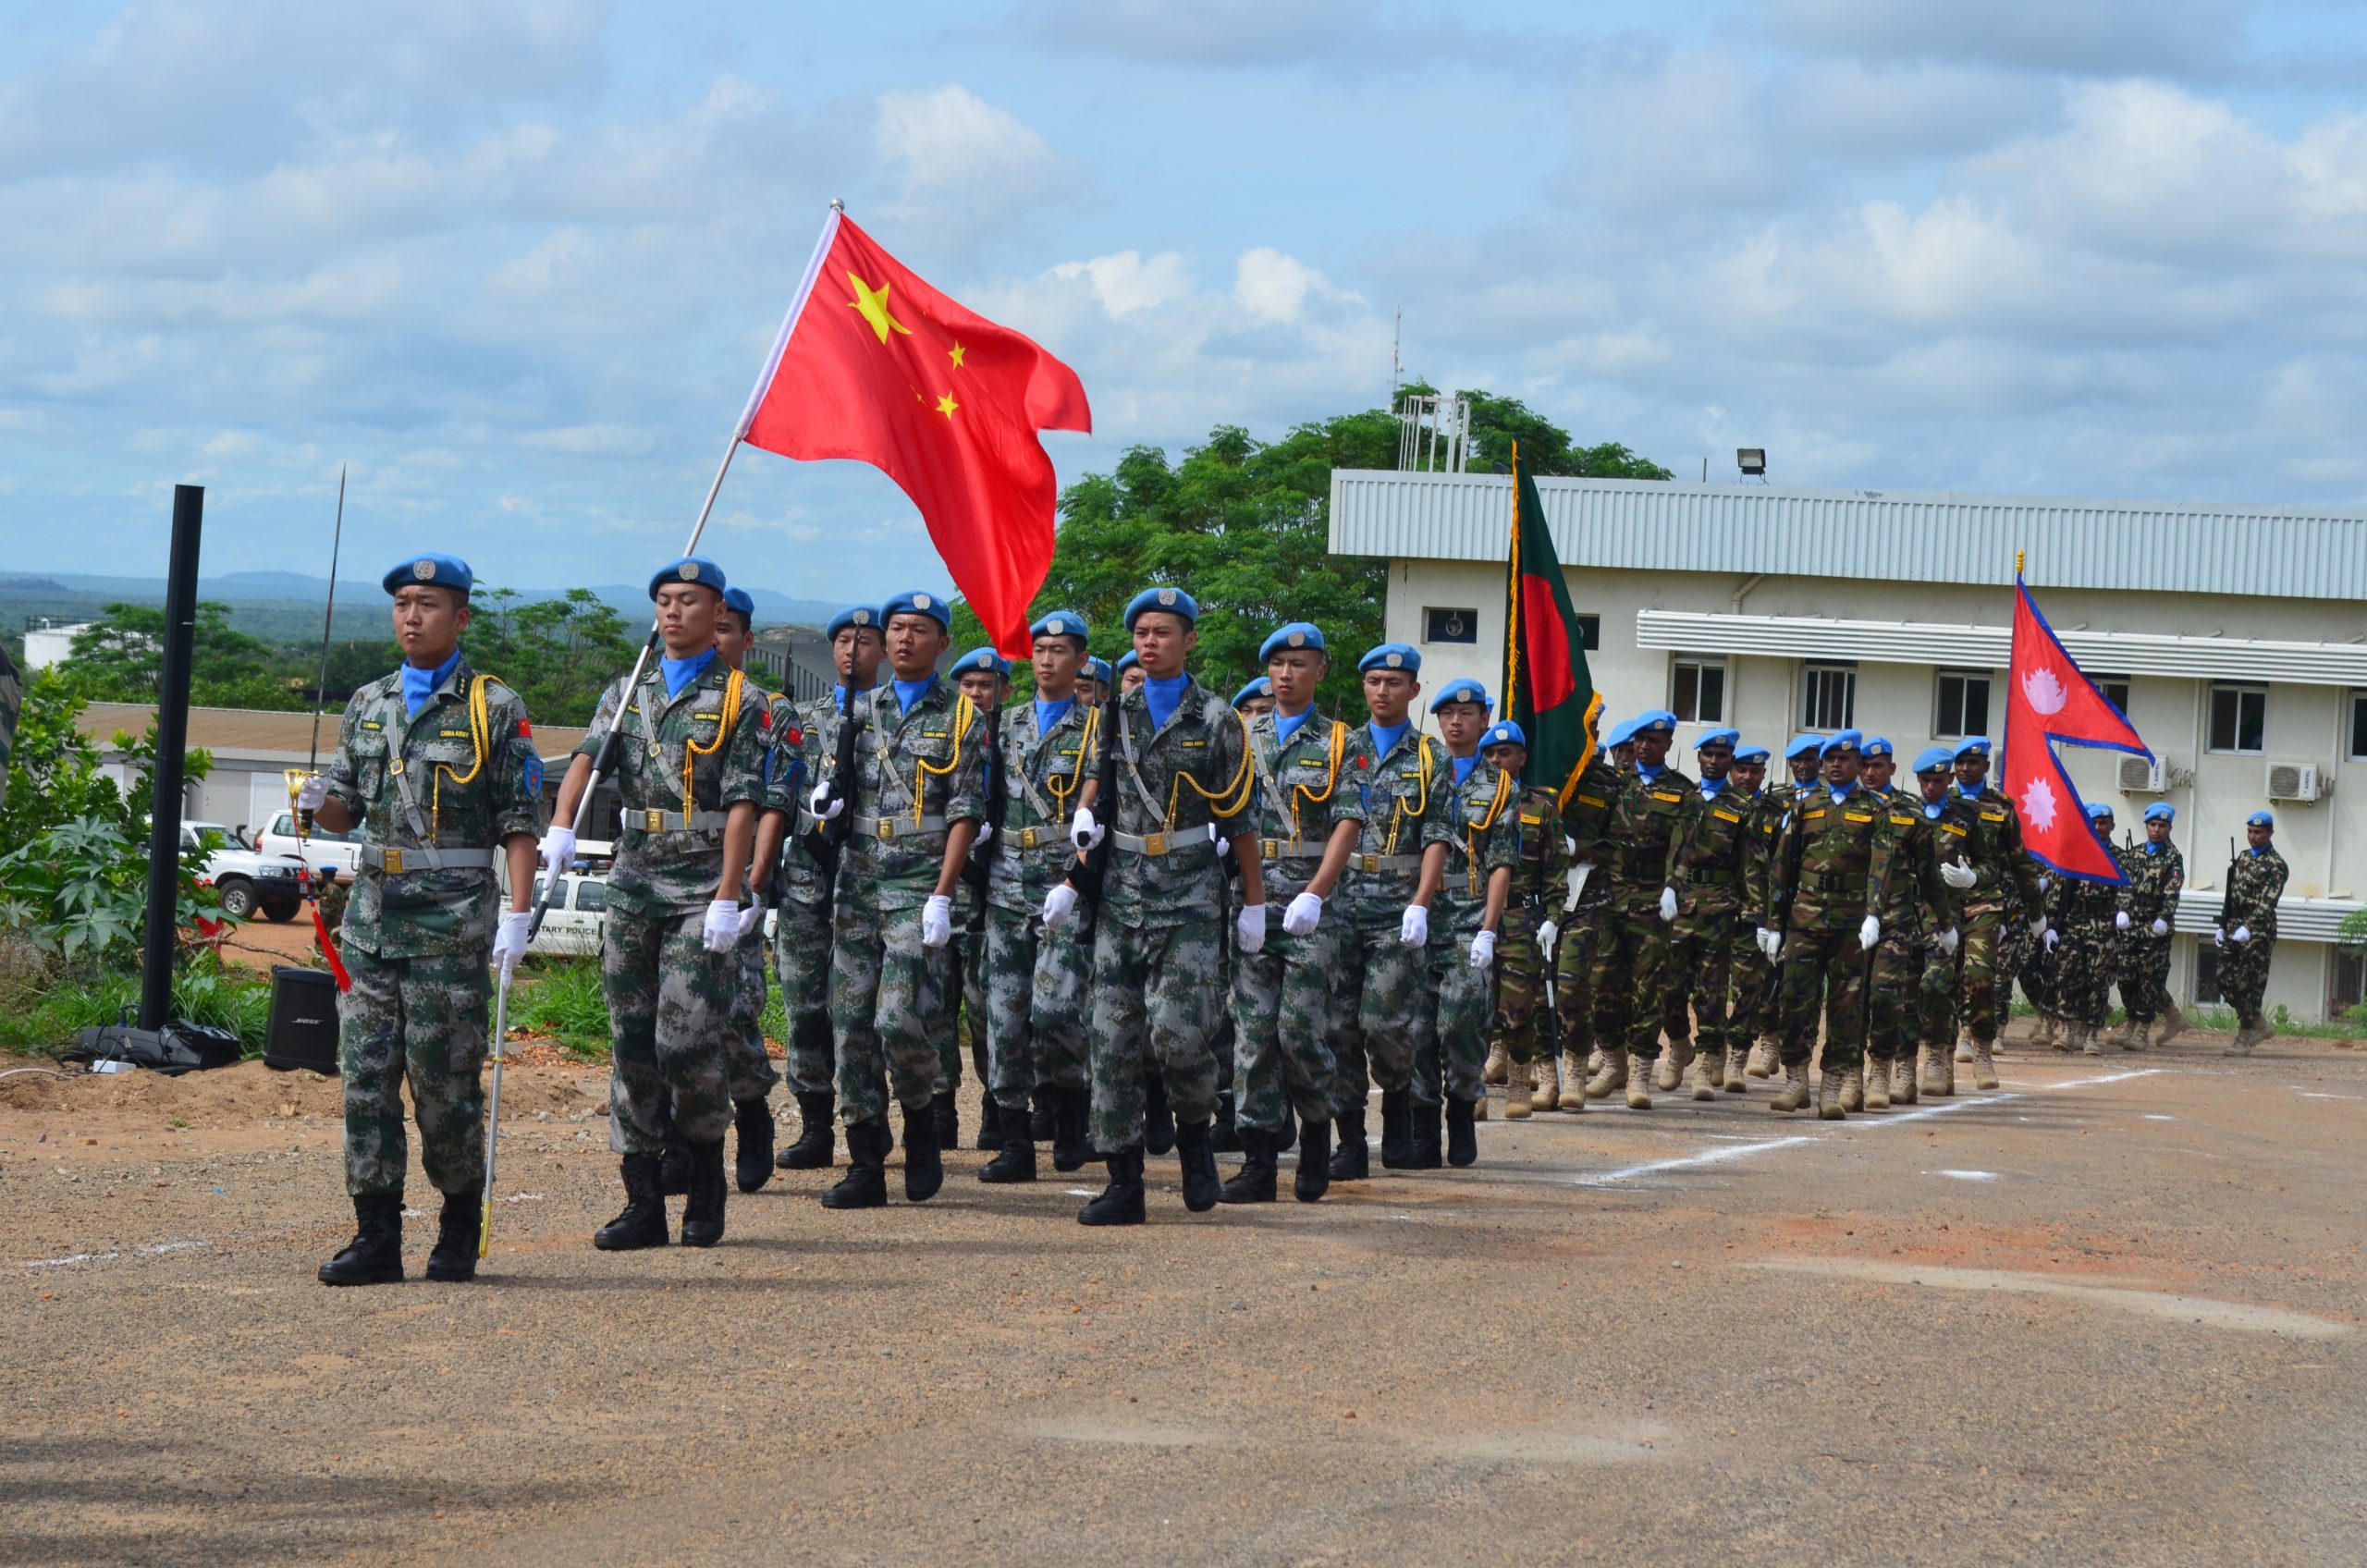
(1846, 740)
(861, 616)
(984, 659)
(1261, 687)
(930, 604)
(1971, 746)
(1621, 733)
(1934, 759)
(2260, 820)
(1464, 691)
(1803, 746)
(2161, 811)
(1060, 624)
(741, 600)
(435, 570)
(1656, 718)
(689, 568)
(2097, 808)
(1101, 671)
(1298, 634)
(1719, 738)
(1877, 746)
(1503, 733)
(1127, 661)
(1174, 600)
(1752, 753)
(1390, 655)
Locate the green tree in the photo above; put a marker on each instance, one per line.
(557, 653)
(120, 658)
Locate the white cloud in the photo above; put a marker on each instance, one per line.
(1128, 281)
(1273, 286)
(958, 166)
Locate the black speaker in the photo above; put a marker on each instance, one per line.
(303, 1020)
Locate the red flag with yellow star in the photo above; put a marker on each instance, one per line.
(874, 364)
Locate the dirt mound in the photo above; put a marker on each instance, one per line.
(250, 1091)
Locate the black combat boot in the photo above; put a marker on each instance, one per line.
(374, 1256)
(1461, 1137)
(1200, 1163)
(1287, 1133)
(1070, 1148)
(1016, 1161)
(1428, 1151)
(457, 1230)
(816, 1145)
(1227, 1138)
(1397, 1129)
(1314, 1177)
(1121, 1202)
(674, 1166)
(1254, 1182)
(752, 1157)
(1352, 1161)
(1159, 1117)
(702, 1216)
(1041, 1119)
(866, 1184)
(924, 1169)
(642, 1223)
(945, 1115)
(989, 1125)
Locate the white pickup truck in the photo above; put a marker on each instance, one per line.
(245, 880)
(340, 852)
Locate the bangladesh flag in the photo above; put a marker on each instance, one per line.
(1549, 691)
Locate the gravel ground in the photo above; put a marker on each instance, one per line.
(2110, 1314)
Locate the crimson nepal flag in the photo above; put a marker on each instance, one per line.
(874, 364)
(2048, 700)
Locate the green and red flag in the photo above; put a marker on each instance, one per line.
(1549, 691)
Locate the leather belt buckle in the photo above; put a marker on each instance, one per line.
(392, 863)
(1154, 843)
(653, 821)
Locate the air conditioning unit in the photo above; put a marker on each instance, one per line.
(2302, 781)
(2139, 776)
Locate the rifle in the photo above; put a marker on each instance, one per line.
(2228, 890)
(827, 841)
(980, 865)
(1092, 868)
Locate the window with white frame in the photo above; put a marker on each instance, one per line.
(2239, 718)
(1828, 696)
(1961, 705)
(1697, 688)
(2115, 690)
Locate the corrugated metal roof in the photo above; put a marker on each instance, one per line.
(1910, 642)
(1894, 535)
(257, 735)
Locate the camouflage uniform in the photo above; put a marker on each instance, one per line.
(1585, 816)
(1711, 941)
(2031, 961)
(1483, 819)
(1992, 847)
(1760, 1020)
(1540, 882)
(1917, 906)
(2254, 886)
(1159, 934)
(1385, 1011)
(416, 940)
(1638, 994)
(919, 770)
(669, 999)
(804, 756)
(1826, 862)
(2155, 879)
(1038, 983)
(2082, 922)
(1283, 1009)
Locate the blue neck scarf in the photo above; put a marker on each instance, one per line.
(840, 695)
(2256, 851)
(1842, 792)
(1384, 738)
(1463, 766)
(1286, 724)
(1973, 793)
(2152, 848)
(1050, 714)
(682, 672)
(1162, 695)
(1934, 808)
(1651, 775)
(420, 684)
(911, 691)
(1713, 788)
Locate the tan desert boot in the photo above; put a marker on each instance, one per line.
(1964, 1045)
(1499, 1059)
(1516, 1090)
(1708, 1072)
(1902, 1079)
(1985, 1066)
(1639, 1086)
(2173, 1025)
(1763, 1062)
(1939, 1070)
(1572, 1097)
(1735, 1082)
(1613, 1076)
(1832, 1089)
(1853, 1088)
(1795, 1092)
(1877, 1086)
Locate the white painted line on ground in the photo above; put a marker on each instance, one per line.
(1966, 1175)
(2144, 1304)
(1707, 1156)
(2159, 1116)
(153, 1249)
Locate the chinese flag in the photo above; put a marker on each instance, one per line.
(2048, 700)
(1549, 691)
(875, 365)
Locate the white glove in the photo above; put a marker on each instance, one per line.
(1483, 949)
(1869, 933)
(937, 921)
(1414, 931)
(1545, 935)
(1249, 928)
(1222, 845)
(311, 793)
(2240, 935)
(1058, 905)
(2218, 938)
(509, 941)
(824, 804)
(722, 926)
(2120, 920)
(2044, 883)
(559, 850)
(986, 833)
(2160, 928)
(1300, 919)
(1668, 903)
(1948, 942)
(1769, 942)
(2038, 926)
(1578, 875)
(1569, 845)
(1084, 832)
(2050, 938)
(750, 916)
(1958, 875)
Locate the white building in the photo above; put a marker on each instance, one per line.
(2233, 637)
(49, 644)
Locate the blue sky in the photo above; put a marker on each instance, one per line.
(517, 264)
